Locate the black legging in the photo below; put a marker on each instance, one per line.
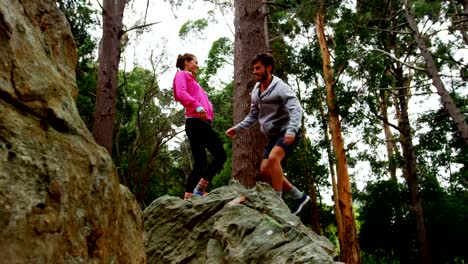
(201, 137)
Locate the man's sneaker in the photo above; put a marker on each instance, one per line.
(299, 203)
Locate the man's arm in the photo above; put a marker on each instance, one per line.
(249, 120)
(295, 111)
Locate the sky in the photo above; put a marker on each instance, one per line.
(163, 37)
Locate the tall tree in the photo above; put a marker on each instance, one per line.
(350, 253)
(109, 58)
(395, 76)
(433, 73)
(331, 166)
(410, 170)
(249, 40)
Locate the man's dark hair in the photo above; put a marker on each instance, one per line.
(265, 59)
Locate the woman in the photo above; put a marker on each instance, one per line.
(199, 116)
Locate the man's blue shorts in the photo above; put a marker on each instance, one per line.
(278, 140)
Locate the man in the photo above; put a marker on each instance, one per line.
(275, 106)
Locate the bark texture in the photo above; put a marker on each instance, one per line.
(250, 40)
(350, 253)
(331, 165)
(109, 58)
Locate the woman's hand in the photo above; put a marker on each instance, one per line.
(203, 115)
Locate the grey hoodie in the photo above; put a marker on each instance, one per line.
(277, 109)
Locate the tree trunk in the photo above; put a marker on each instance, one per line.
(434, 75)
(350, 253)
(249, 41)
(331, 165)
(388, 136)
(409, 169)
(109, 58)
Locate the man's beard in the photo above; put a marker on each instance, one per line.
(262, 78)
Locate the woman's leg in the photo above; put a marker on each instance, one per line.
(215, 147)
(196, 139)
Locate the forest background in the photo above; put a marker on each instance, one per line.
(378, 69)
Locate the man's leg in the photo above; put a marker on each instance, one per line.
(272, 167)
(287, 186)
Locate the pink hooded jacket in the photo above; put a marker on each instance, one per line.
(191, 95)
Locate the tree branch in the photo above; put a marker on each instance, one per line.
(381, 118)
(140, 27)
(99, 3)
(402, 62)
(385, 30)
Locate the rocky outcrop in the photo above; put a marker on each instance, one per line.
(60, 200)
(231, 225)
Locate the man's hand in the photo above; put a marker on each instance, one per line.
(289, 139)
(231, 132)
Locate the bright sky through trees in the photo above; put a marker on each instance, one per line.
(163, 38)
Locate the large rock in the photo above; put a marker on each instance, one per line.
(231, 225)
(60, 200)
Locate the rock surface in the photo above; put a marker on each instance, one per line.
(231, 225)
(60, 200)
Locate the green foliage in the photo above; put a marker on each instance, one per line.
(168, 178)
(446, 217)
(429, 8)
(144, 124)
(386, 226)
(193, 27)
(224, 176)
(80, 16)
(220, 54)
(304, 167)
(387, 233)
(442, 147)
(222, 104)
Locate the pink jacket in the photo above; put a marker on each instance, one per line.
(191, 95)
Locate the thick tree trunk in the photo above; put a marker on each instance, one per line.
(249, 41)
(350, 253)
(409, 170)
(109, 58)
(433, 73)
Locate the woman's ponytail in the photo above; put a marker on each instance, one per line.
(180, 64)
